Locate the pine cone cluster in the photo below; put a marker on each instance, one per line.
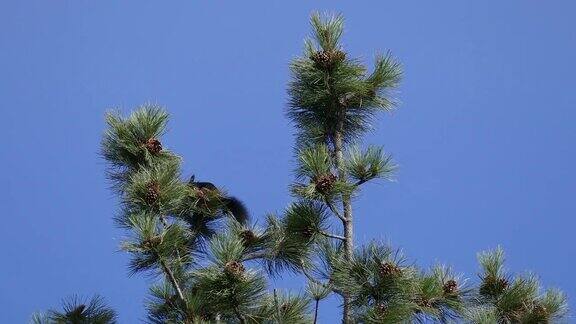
(234, 268)
(153, 146)
(326, 60)
(492, 286)
(308, 232)
(205, 316)
(424, 302)
(450, 287)
(152, 242)
(381, 308)
(324, 183)
(540, 311)
(248, 237)
(152, 193)
(388, 269)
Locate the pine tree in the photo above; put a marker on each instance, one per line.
(333, 99)
(503, 298)
(76, 311)
(186, 233)
(213, 263)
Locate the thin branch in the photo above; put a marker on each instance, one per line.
(318, 282)
(360, 182)
(255, 255)
(334, 210)
(334, 236)
(239, 315)
(276, 304)
(167, 270)
(172, 279)
(316, 311)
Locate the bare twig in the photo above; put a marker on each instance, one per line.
(334, 210)
(255, 255)
(169, 272)
(334, 236)
(172, 279)
(318, 282)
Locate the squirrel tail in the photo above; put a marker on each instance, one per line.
(237, 209)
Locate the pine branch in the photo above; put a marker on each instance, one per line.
(255, 255)
(167, 270)
(239, 315)
(172, 280)
(334, 210)
(334, 236)
(320, 283)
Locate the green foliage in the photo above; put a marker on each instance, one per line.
(317, 291)
(483, 314)
(164, 307)
(152, 244)
(76, 311)
(317, 167)
(282, 309)
(285, 251)
(370, 164)
(305, 220)
(330, 92)
(128, 143)
(313, 162)
(514, 300)
(157, 189)
(203, 211)
(179, 232)
(254, 240)
(384, 289)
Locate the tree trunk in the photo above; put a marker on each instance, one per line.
(347, 208)
(316, 311)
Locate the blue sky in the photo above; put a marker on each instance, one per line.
(484, 135)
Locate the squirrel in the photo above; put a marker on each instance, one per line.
(233, 205)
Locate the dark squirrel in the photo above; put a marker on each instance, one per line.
(233, 205)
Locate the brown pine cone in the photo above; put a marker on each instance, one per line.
(152, 193)
(493, 286)
(248, 237)
(308, 232)
(450, 287)
(234, 268)
(326, 60)
(388, 269)
(153, 146)
(152, 242)
(381, 308)
(324, 183)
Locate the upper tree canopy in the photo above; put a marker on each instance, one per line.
(331, 91)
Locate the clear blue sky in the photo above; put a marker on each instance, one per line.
(485, 135)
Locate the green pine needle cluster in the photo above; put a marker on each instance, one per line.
(78, 311)
(331, 92)
(511, 299)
